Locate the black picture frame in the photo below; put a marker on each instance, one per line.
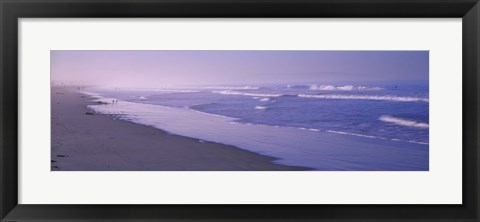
(12, 10)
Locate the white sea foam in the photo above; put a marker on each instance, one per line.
(355, 134)
(366, 97)
(261, 107)
(165, 89)
(403, 122)
(97, 98)
(230, 92)
(266, 99)
(174, 90)
(290, 145)
(232, 87)
(344, 88)
(91, 94)
(375, 137)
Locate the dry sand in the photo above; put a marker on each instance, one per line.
(82, 142)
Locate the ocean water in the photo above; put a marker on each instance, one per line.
(320, 126)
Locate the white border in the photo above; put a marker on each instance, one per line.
(441, 185)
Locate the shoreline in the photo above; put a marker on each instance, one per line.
(100, 142)
(289, 146)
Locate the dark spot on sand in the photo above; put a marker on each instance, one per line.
(62, 156)
(89, 113)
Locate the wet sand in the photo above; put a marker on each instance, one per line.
(83, 142)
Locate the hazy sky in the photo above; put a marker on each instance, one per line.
(170, 68)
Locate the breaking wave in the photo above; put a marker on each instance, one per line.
(344, 88)
(230, 92)
(374, 137)
(266, 99)
(403, 122)
(261, 107)
(367, 97)
(232, 87)
(175, 90)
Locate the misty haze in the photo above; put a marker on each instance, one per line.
(240, 110)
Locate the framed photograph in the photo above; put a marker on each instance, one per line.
(239, 110)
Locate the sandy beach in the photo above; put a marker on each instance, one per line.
(83, 142)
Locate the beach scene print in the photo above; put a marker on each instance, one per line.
(239, 110)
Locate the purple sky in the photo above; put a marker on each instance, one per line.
(170, 68)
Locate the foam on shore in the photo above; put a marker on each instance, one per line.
(403, 122)
(292, 146)
(366, 97)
